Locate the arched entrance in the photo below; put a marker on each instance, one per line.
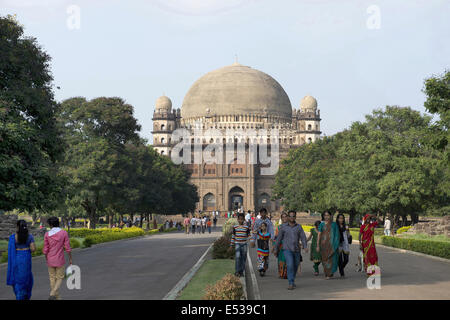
(236, 198)
(209, 202)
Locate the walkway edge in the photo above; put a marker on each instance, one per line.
(414, 253)
(256, 293)
(172, 295)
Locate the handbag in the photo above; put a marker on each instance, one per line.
(349, 238)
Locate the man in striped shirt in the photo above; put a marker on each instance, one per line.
(239, 237)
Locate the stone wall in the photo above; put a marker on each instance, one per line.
(433, 228)
(8, 227)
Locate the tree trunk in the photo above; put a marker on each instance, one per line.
(148, 221)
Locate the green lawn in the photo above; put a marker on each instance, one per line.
(211, 271)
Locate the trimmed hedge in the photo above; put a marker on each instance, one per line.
(434, 248)
(220, 248)
(107, 235)
(403, 229)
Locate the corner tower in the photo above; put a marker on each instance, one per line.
(164, 123)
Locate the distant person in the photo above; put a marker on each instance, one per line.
(55, 241)
(208, 225)
(387, 227)
(239, 237)
(19, 274)
(203, 224)
(199, 225)
(315, 255)
(193, 224)
(248, 218)
(166, 225)
(187, 223)
(170, 223)
(215, 221)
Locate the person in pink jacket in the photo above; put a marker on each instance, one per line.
(55, 241)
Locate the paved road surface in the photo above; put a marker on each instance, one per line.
(142, 268)
(403, 276)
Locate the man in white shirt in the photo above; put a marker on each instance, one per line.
(248, 218)
(387, 227)
(193, 224)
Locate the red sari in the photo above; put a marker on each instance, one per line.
(370, 256)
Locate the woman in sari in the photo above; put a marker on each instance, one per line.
(20, 246)
(282, 267)
(328, 244)
(367, 243)
(315, 255)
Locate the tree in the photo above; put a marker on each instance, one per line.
(96, 133)
(30, 143)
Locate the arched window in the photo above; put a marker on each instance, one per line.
(309, 140)
(309, 127)
(162, 152)
(163, 140)
(162, 127)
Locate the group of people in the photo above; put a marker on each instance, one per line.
(199, 224)
(21, 245)
(330, 244)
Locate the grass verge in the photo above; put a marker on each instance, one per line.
(209, 273)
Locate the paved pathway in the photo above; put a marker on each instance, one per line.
(141, 268)
(403, 276)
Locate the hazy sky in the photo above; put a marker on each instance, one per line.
(352, 55)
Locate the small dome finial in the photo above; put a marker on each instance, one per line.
(236, 63)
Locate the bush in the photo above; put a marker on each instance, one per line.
(228, 226)
(403, 229)
(434, 248)
(113, 234)
(227, 288)
(220, 248)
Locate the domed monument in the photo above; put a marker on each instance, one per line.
(225, 105)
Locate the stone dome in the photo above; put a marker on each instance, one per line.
(163, 103)
(308, 102)
(236, 90)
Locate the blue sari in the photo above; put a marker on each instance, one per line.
(19, 274)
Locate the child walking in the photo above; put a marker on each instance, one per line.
(263, 237)
(239, 237)
(315, 255)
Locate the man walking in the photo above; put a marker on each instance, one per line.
(193, 224)
(55, 241)
(239, 237)
(387, 227)
(187, 224)
(257, 226)
(248, 218)
(290, 235)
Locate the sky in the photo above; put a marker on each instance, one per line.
(352, 55)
